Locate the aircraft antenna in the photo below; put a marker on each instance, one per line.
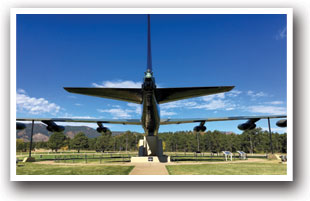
(149, 53)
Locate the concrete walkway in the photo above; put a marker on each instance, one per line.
(149, 169)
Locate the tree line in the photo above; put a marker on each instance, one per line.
(250, 141)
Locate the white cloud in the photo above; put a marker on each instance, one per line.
(275, 110)
(119, 84)
(77, 104)
(178, 104)
(256, 94)
(216, 104)
(167, 113)
(21, 91)
(117, 112)
(233, 93)
(215, 96)
(275, 102)
(216, 101)
(70, 116)
(82, 117)
(137, 107)
(281, 34)
(25, 103)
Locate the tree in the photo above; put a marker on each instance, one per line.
(68, 142)
(283, 142)
(56, 141)
(20, 145)
(41, 145)
(92, 143)
(80, 141)
(103, 142)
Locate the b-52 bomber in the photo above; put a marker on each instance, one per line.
(150, 97)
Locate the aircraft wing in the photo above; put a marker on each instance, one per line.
(108, 121)
(165, 95)
(194, 120)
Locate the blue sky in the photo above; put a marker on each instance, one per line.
(245, 51)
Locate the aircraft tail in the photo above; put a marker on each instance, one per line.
(149, 53)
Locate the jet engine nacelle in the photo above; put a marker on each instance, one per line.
(282, 123)
(20, 126)
(102, 129)
(55, 128)
(247, 126)
(200, 128)
(52, 126)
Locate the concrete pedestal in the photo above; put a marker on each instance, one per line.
(150, 159)
(150, 146)
(150, 150)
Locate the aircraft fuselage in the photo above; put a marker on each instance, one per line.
(150, 111)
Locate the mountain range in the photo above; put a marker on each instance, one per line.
(41, 134)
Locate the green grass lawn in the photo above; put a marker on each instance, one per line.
(44, 169)
(229, 169)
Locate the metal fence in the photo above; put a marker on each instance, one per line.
(82, 158)
(122, 157)
(208, 156)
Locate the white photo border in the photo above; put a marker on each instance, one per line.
(287, 11)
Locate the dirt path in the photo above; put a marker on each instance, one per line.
(149, 169)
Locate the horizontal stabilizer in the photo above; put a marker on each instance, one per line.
(133, 95)
(164, 95)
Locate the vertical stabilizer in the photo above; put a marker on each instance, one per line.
(149, 53)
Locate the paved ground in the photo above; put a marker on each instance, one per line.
(149, 169)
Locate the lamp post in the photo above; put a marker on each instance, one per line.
(197, 133)
(270, 136)
(30, 146)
